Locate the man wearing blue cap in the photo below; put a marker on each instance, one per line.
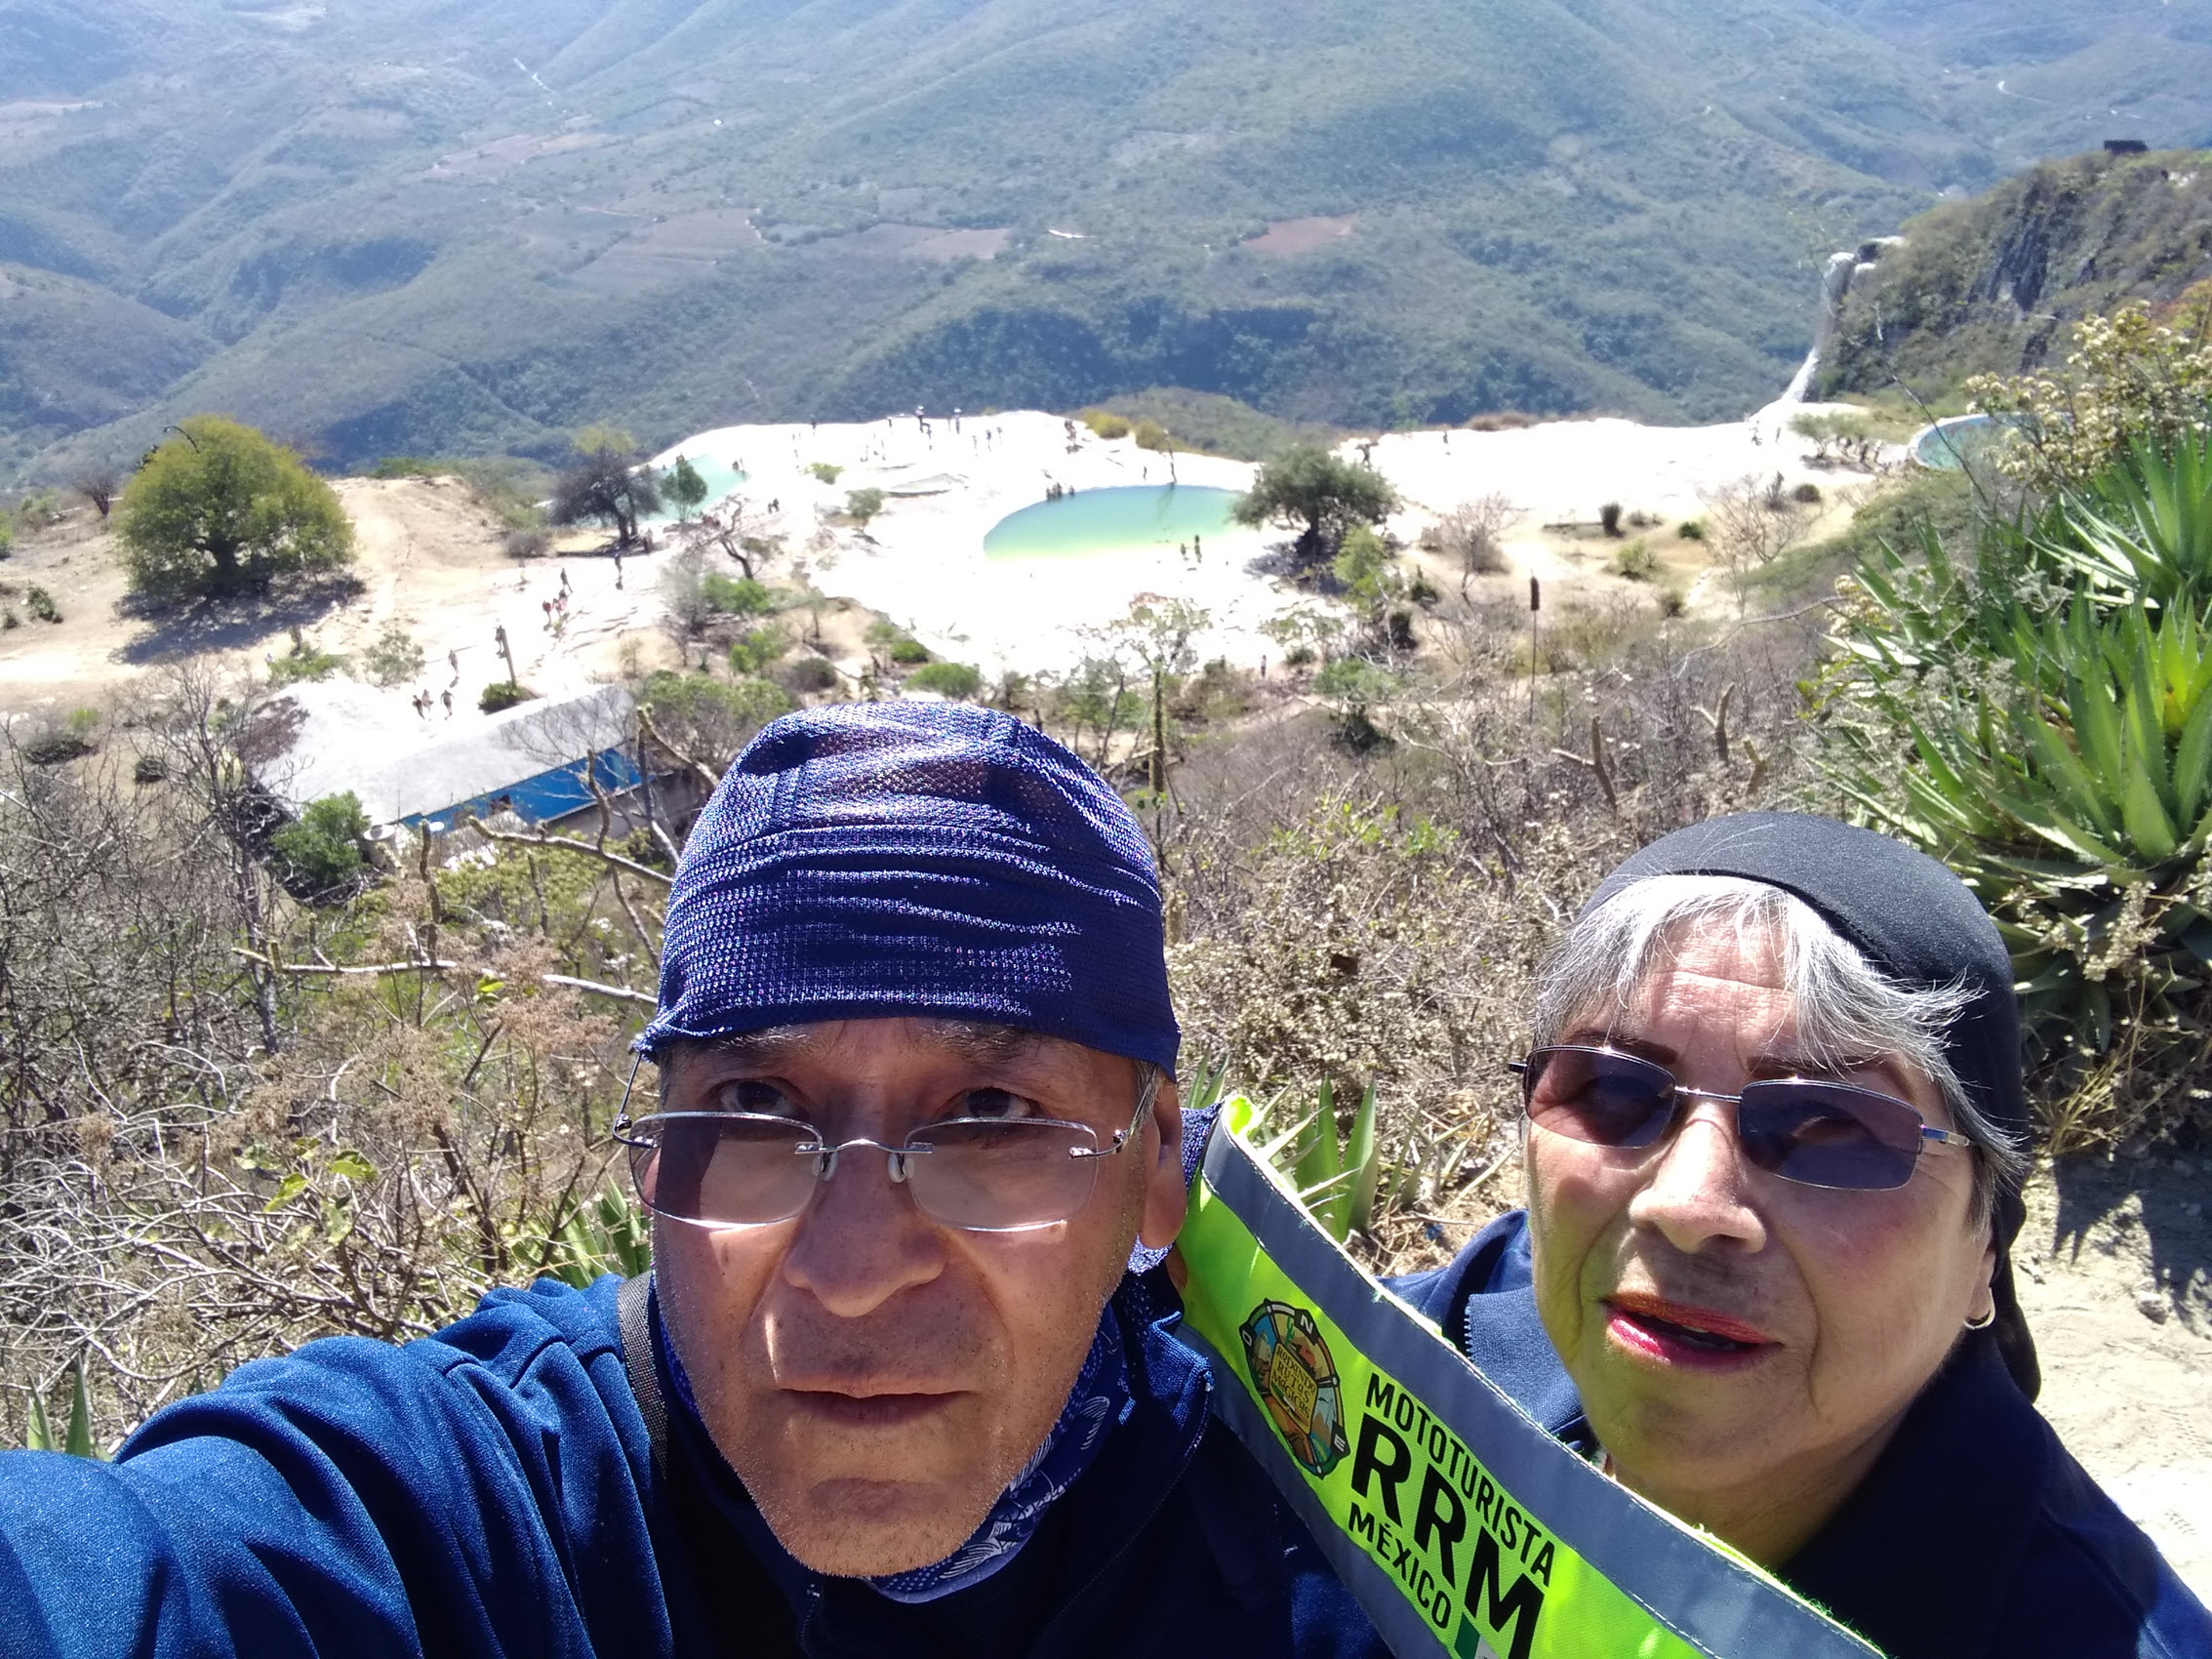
(904, 1380)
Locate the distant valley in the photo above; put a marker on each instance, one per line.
(438, 226)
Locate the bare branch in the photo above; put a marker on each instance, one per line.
(320, 970)
(706, 774)
(620, 993)
(570, 844)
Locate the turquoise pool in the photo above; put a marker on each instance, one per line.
(1961, 441)
(1128, 519)
(720, 473)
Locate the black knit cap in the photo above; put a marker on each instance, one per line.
(1918, 924)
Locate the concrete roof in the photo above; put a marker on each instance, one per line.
(332, 736)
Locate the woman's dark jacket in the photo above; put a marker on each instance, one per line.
(1976, 1536)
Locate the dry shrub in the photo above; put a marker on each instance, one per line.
(215, 1147)
(1748, 524)
(208, 1154)
(1471, 536)
(1380, 921)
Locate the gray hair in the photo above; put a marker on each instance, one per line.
(1847, 1010)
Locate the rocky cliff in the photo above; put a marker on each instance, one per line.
(1993, 284)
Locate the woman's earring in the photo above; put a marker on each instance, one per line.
(1985, 1321)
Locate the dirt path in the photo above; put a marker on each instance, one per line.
(427, 555)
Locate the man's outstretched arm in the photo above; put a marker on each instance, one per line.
(477, 1494)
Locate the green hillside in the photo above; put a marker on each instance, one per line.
(1994, 285)
(434, 225)
(2068, 74)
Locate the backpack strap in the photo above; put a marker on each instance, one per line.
(633, 1313)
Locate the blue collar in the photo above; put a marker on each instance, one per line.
(1098, 1401)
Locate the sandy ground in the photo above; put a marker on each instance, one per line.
(2115, 1269)
(427, 556)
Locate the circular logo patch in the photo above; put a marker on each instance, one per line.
(1297, 1381)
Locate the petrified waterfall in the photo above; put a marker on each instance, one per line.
(1838, 276)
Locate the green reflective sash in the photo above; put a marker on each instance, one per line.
(1460, 1523)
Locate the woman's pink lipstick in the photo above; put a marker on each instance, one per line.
(1676, 1333)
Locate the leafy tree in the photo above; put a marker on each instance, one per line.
(1319, 493)
(607, 482)
(686, 488)
(394, 659)
(863, 504)
(220, 508)
(757, 651)
(957, 681)
(1371, 578)
(321, 853)
(826, 472)
(736, 596)
(710, 719)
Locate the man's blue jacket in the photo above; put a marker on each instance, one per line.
(1975, 1536)
(491, 1491)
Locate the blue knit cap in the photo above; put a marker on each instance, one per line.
(866, 861)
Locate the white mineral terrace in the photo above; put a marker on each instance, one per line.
(950, 480)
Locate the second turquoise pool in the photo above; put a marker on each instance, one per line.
(1131, 518)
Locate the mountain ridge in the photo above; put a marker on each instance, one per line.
(431, 225)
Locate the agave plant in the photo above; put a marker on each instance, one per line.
(1338, 1182)
(2140, 529)
(76, 1440)
(2076, 800)
(2056, 755)
(605, 1235)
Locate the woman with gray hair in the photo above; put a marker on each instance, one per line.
(1775, 1132)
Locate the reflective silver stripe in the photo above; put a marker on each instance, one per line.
(1706, 1597)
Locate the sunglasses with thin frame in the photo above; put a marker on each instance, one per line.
(1803, 1129)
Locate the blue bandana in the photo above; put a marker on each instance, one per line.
(1100, 1400)
(866, 861)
